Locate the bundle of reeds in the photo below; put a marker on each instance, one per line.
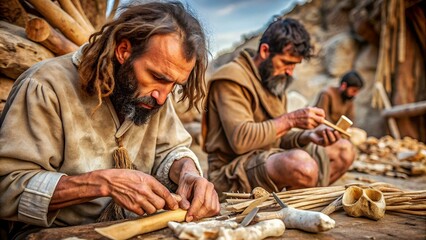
(328, 199)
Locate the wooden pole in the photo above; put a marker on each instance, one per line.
(406, 110)
(69, 7)
(77, 4)
(391, 121)
(61, 20)
(38, 30)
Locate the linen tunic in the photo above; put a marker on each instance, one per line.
(331, 101)
(49, 129)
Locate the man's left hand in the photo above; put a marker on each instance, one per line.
(323, 136)
(204, 201)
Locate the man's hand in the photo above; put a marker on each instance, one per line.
(204, 199)
(140, 192)
(198, 194)
(134, 190)
(305, 118)
(321, 135)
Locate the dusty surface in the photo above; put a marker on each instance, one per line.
(392, 226)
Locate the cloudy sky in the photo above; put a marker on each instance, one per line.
(226, 21)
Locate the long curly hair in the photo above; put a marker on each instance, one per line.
(138, 23)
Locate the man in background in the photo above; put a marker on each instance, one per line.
(338, 101)
(251, 139)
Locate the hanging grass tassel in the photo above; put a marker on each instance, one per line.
(122, 161)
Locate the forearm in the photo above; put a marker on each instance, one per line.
(72, 190)
(181, 167)
(283, 125)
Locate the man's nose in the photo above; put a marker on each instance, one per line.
(159, 97)
(160, 94)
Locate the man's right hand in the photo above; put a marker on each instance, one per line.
(134, 190)
(306, 118)
(139, 192)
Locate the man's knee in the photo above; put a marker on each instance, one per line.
(346, 152)
(301, 168)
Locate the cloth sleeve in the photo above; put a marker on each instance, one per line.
(31, 146)
(234, 105)
(324, 102)
(173, 143)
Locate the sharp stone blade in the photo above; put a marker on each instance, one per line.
(247, 219)
(279, 201)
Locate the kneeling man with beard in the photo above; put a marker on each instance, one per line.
(251, 139)
(92, 136)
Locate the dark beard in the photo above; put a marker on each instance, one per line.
(276, 85)
(345, 96)
(123, 96)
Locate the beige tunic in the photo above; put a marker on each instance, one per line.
(48, 130)
(238, 126)
(331, 101)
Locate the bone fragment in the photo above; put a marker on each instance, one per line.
(201, 230)
(261, 230)
(308, 221)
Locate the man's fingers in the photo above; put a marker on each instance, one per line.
(148, 207)
(170, 201)
(184, 203)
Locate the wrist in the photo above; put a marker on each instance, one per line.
(181, 167)
(304, 138)
(103, 179)
(283, 124)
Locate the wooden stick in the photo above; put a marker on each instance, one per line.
(326, 122)
(391, 121)
(407, 207)
(418, 213)
(314, 205)
(61, 20)
(397, 200)
(311, 191)
(237, 195)
(401, 37)
(334, 206)
(128, 229)
(316, 202)
(406, 110)
(69, 7)
(38, 30)
(77, 4)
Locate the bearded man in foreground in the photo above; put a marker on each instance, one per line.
(250, 138)
(92, 136)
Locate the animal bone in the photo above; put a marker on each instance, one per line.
(364, 202)
(308, 221)
(201, 230)
(261, 230)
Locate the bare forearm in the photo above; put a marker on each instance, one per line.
(72, 190)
